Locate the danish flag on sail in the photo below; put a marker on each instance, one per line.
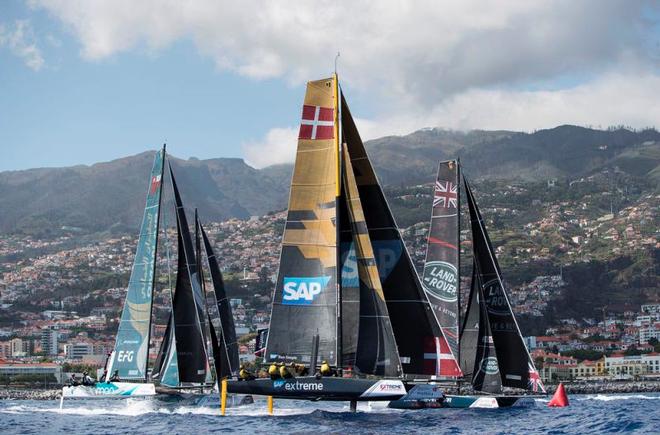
(438, 359)
(317, 123)
(155, 182)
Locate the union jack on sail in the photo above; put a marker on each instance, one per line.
(535, 380)
(445, 194)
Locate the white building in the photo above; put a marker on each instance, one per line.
(45, 369)
(633, 365)
(648, 332)
(49, 340)
(78, 350)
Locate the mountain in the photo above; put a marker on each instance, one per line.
(110, 195)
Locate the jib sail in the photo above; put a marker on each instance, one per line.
(417, 341)
(306, 293)
(132, 343)
(376, 351)
(188, 306)
(225, 350)
(478, 357)
(440, 279)
(515, 365)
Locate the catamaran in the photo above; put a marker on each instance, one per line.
(490, 352)
(347, 294)
(187, 350)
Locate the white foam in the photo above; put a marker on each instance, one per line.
(610, 397)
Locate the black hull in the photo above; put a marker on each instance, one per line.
(327, 388)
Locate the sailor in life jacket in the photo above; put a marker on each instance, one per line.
(273, 371)
(326, 370)
(244, 374)
(284, 372)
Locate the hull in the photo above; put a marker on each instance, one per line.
(105, 390)
(432, 396)
(328, 388)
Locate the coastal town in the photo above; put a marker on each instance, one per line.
(60, 297)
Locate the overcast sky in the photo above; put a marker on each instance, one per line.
(83, 81)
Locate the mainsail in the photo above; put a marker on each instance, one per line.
(418, 341)
(132, 343)
(441, 268)
(515, 365)
(306, 294)
(223, 333)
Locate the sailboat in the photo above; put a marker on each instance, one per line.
(131, 352)
(200, 332)
(347, 294)
(489, 353)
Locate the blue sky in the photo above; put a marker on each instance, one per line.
(88, 81)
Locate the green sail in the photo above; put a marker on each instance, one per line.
(132, 344)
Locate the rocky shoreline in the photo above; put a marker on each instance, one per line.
(571, 388)
(28, 394)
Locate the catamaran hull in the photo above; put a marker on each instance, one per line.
(327, 388)
(462, 402)
(112, 390)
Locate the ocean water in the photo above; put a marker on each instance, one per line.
(598, 414)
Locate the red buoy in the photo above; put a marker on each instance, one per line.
(560, 399)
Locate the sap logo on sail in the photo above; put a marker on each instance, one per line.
(302, 291)
(440, 280)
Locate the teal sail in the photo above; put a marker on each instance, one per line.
(132, 343)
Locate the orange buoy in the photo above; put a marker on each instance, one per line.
(560, 399)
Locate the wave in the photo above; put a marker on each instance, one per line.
(610, 397)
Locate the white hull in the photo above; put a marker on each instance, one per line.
(105, 390)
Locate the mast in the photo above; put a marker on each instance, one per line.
(458, 263)
(338, 179)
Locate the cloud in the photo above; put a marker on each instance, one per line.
(278, 146)
(416, 52)
(21, 41)
(611, 100)
(466, 64)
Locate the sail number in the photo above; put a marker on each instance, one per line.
(125, 356)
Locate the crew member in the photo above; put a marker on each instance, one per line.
(244, 374)
(87, 380)
(74, 380)
(114, 377)
(284, 372)
(301, 369)
(326, 370)
(273, 371)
